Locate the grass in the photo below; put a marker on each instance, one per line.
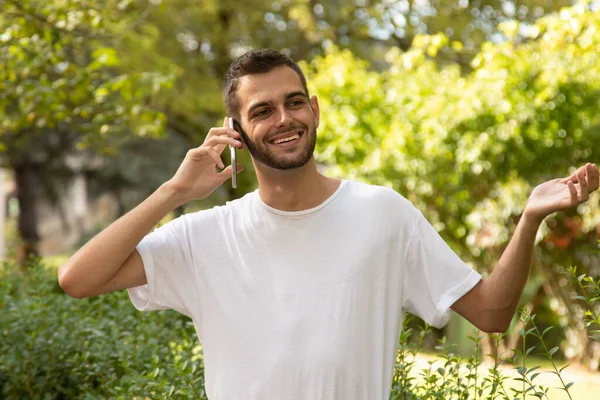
(55, 261)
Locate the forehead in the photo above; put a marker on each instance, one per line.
(267, 87)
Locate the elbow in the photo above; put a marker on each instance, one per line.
(69, 284)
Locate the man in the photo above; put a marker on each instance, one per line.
(297, 290)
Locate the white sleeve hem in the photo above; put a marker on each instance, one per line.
(443, 311)
(142, 297)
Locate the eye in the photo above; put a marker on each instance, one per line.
(261, 113)
(296, 103)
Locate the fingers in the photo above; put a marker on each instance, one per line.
(585, 180)
(593, 177)
(583, 185)
(222, 140)
(573, 192)
(215, 142)
(573, 177)
(224, 131)
(203, 151)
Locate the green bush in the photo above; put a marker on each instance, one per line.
(56, 347)
(450, 376)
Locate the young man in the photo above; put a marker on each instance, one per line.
(297, 290)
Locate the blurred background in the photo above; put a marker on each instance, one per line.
(462, 106)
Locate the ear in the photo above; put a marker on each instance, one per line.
(314, 105)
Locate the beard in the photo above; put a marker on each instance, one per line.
(261, 153)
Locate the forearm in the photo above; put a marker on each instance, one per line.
(491, 304)
(504, 286)
(101, 258)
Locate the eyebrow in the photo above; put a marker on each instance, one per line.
(268, 103)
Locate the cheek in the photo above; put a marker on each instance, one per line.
(256, 132)
(311, 116)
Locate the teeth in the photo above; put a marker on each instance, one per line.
(287, 139)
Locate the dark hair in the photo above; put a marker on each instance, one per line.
(256, 61)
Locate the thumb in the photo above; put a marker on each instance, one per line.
(227, 172)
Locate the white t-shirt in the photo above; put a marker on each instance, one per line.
(302, 305)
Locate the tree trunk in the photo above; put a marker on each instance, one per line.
(3, 212)
(28, 219)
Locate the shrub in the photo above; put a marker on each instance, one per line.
(56, 347)
(451, 377)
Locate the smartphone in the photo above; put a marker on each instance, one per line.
(233, 159)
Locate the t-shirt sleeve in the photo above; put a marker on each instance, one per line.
(169, 268)
(435, 276)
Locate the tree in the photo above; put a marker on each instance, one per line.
(197, 40)
(467, 149)
(60, 91)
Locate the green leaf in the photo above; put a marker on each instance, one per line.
(534, 368)
(106, 56)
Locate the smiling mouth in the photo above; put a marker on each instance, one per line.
(285, 139)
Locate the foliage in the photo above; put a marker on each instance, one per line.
(61, 90)
(54, 73)
(195, 41)
(467, 148)
(82, 71)
(587, 294)
(450, 376)
(53, 346)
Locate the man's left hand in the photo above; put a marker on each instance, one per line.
(562, 193)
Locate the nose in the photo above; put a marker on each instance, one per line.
(284, 117)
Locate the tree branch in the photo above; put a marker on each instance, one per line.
(81, 33)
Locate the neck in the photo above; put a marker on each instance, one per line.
(295, 189)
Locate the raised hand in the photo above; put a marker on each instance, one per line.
(197, 176)
(562, 193)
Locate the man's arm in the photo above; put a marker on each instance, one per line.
(110, 261)
(491, 304)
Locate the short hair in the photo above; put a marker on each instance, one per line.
(256, 61)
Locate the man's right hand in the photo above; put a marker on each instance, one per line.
(110, 261)
(197, 176)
